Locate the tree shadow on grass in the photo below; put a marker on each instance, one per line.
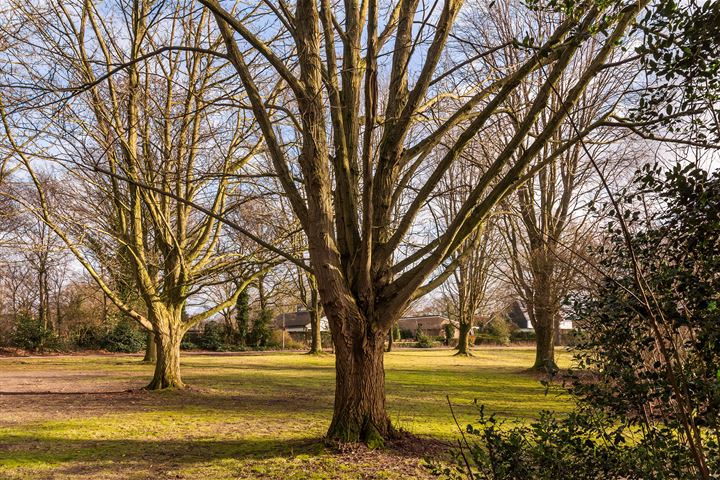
(57, 450)
(97, 458)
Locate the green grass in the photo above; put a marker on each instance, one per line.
(248, 416)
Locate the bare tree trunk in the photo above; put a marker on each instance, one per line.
(557, 337)
(43, 308)
(359, 413)
(150, 349)
(168, 335)
(463, 339)
(315, 333)
(391, 340)
(545, 348)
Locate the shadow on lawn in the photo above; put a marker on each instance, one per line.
(57, 450)
(274, 403)
(87, 457)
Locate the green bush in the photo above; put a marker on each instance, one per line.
(30, 334)
(213, 338)
(261, 333)
(522, 336)
(396, 333)
(406, 334)
(449, 331)
(499, 330)
(584, 445)
(422, 339)
(125, 337)
(89, 336)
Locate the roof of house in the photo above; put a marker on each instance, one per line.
(518, 315)
(293, 319)
(425, 322)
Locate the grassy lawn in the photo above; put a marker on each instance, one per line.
(245, 416)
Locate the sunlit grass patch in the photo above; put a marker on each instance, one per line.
(245, 416)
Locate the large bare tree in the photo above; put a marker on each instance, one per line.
(353, 163)
(465, 294)
(547, 225)
(158, 126)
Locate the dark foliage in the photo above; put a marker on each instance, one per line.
(261, 330)
(242, 318)
(30, 334)
(125, 337)
(213, 338)
(648, 385)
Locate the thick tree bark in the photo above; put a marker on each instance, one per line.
(359, 413)
(463, 347)
(316, 339)
(168, 332)
(150, 349)
(545, 348)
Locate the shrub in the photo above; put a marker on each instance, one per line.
(422, 339)
(396, 333)
(125, 337)
(213, 337)
(30, 334)
(89, 336)
(449, 332)
(406, 334)
(187, 344)
(584, 445)
(499, 330)
(261, 331)
(242, 317)
(522, 336)
(276, 341)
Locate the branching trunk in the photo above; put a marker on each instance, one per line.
(545, 338)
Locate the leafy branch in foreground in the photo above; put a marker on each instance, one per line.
(648, 385)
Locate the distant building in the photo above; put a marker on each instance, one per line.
(517, 314)
(297, 324)
(432, 325)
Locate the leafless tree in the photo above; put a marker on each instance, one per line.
(159, 123)
(354, 166)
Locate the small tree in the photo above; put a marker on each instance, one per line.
(261, 329)
(422, 339)
(242, 317)
(449, 333)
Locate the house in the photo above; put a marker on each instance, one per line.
(432, 325)
(297, 324)
(517, 314)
